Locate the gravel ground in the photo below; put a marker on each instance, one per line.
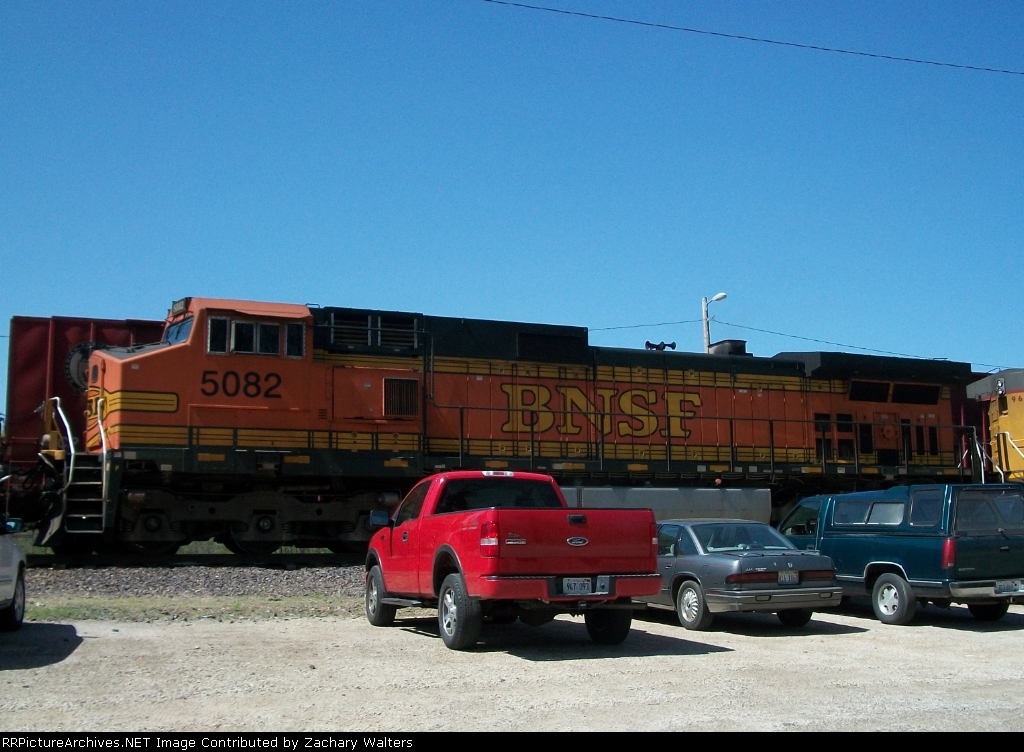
(194, 580)
(844, 671)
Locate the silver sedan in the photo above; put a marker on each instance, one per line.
(713, 566)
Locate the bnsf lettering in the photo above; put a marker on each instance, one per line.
(629, 413)
(251, 384)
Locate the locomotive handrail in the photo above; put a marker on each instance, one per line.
(103, 443)
(1011, 442)
(70, 443)
(824, 454)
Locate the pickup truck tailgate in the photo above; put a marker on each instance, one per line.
(566, 541)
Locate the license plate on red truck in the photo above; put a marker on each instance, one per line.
(577, 586)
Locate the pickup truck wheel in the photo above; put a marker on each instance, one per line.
(795, 617)
(893, 600)
(989, 611)
(377, 613)
(459, 617)
(608, 626)
(12, 616)
(691, 609)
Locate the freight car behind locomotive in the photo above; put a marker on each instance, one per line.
(262, 424)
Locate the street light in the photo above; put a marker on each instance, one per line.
(704, 302)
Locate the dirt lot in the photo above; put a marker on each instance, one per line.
(335, 672)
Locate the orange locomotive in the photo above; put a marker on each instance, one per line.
(262, 424)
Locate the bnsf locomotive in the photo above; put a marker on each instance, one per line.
(260, 424)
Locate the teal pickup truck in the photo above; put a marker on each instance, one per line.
(941, 544)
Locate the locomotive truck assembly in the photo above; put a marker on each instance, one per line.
(261, 424)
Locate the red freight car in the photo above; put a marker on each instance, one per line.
(48, 358)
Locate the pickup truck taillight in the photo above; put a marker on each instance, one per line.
(654, 539)
(948, 553)
(489, 539)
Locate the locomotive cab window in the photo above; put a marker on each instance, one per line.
(178, 332)
(295, 341)
(217, 336)
(243, 337)
(269, 339)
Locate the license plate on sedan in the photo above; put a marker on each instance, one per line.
(1009, 586)
(789, 578)
(576, 586)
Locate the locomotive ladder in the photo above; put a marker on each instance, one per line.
(83, 496)
(84, 486)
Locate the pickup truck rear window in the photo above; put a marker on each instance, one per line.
(467, 494)
(983, 512)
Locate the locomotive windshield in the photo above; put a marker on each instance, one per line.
(178, 332)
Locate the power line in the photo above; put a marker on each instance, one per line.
(646, 326)
(789, 336)
(840, 344)
(762, 40)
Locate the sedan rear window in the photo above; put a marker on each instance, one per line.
(466, 494)
(743, 536)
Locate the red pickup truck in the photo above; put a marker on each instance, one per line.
(499, 545)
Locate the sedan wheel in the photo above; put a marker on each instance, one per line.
(691, 608)
(12, 616)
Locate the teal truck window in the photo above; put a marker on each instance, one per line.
(851, 512)
(926, 508)
(886, 513)
(803, 520)
(974, 513)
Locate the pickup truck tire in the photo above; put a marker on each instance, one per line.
(691, 609)
(12, 616)
(377, 613)
(892, 600)
(608, 626)
(459, 617)
(795, 617)
(989, 611)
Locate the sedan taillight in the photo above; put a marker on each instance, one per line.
(739, 579)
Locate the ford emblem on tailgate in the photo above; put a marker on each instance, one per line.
(577, 541)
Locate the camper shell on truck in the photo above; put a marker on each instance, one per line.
(929, 543)
(503, 545)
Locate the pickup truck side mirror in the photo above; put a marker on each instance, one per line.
(13, 526)
(379, 518)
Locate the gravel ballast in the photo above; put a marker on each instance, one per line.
(193, 580)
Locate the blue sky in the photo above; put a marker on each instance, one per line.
(455, 157)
